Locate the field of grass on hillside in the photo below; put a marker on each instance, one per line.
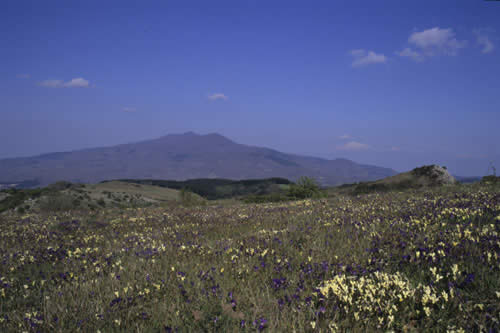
(412, 261)
(65, 196)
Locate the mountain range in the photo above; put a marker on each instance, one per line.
(181, 157)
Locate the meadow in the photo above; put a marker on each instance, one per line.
(412, 261)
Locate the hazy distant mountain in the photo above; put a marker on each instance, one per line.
(180, 157)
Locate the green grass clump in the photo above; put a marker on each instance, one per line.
(413, 261)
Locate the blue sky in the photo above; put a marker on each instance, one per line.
(391, 83)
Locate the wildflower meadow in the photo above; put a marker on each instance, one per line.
(412, 261)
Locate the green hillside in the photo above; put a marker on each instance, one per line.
(63, 196)
(422, 177)
(217, 188)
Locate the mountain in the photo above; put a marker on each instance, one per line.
(180, 157)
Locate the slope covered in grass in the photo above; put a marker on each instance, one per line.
(65, 196)
(425, 176)
(410, 261)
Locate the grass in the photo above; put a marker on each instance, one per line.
(420, 260)
(418, 178)
(154, 193)
(65, 196)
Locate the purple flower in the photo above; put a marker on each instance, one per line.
(262, 324)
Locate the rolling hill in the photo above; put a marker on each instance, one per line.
(181, 157)
(422, 177)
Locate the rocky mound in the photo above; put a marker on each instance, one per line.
(436, 174)
(425, 176)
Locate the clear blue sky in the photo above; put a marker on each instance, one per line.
(391, 83)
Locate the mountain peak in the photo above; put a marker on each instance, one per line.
(183, 156)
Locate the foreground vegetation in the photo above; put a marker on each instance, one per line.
(406, 261)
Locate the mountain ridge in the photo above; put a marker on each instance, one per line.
(180, 157)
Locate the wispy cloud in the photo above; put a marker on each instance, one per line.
(407, 52)
(484, 41)
(353, 146)
(345, 137)
(432, 42)
(73, 83)
(217, 96)
(363, 58)
(51, 83)
(129, 109)
(23, 76)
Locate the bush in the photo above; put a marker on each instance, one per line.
(305, 188)
(187, 197)
(491, 179)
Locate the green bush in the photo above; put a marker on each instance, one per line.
(491, 179)
(186, 197)
(305, 188)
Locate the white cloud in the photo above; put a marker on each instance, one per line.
(353, 145)
(363, 57)
(23, 76)
(345, 137)
(73, 83)
(217, 96)
(484, 41)
(433, 42)
(128, 109)
(78, 82)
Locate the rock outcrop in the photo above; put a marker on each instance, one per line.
(436, 174)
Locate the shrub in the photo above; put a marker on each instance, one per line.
(491, 179)
(305, 188)
(186, 197)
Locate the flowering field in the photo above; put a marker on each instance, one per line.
(412, 261)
